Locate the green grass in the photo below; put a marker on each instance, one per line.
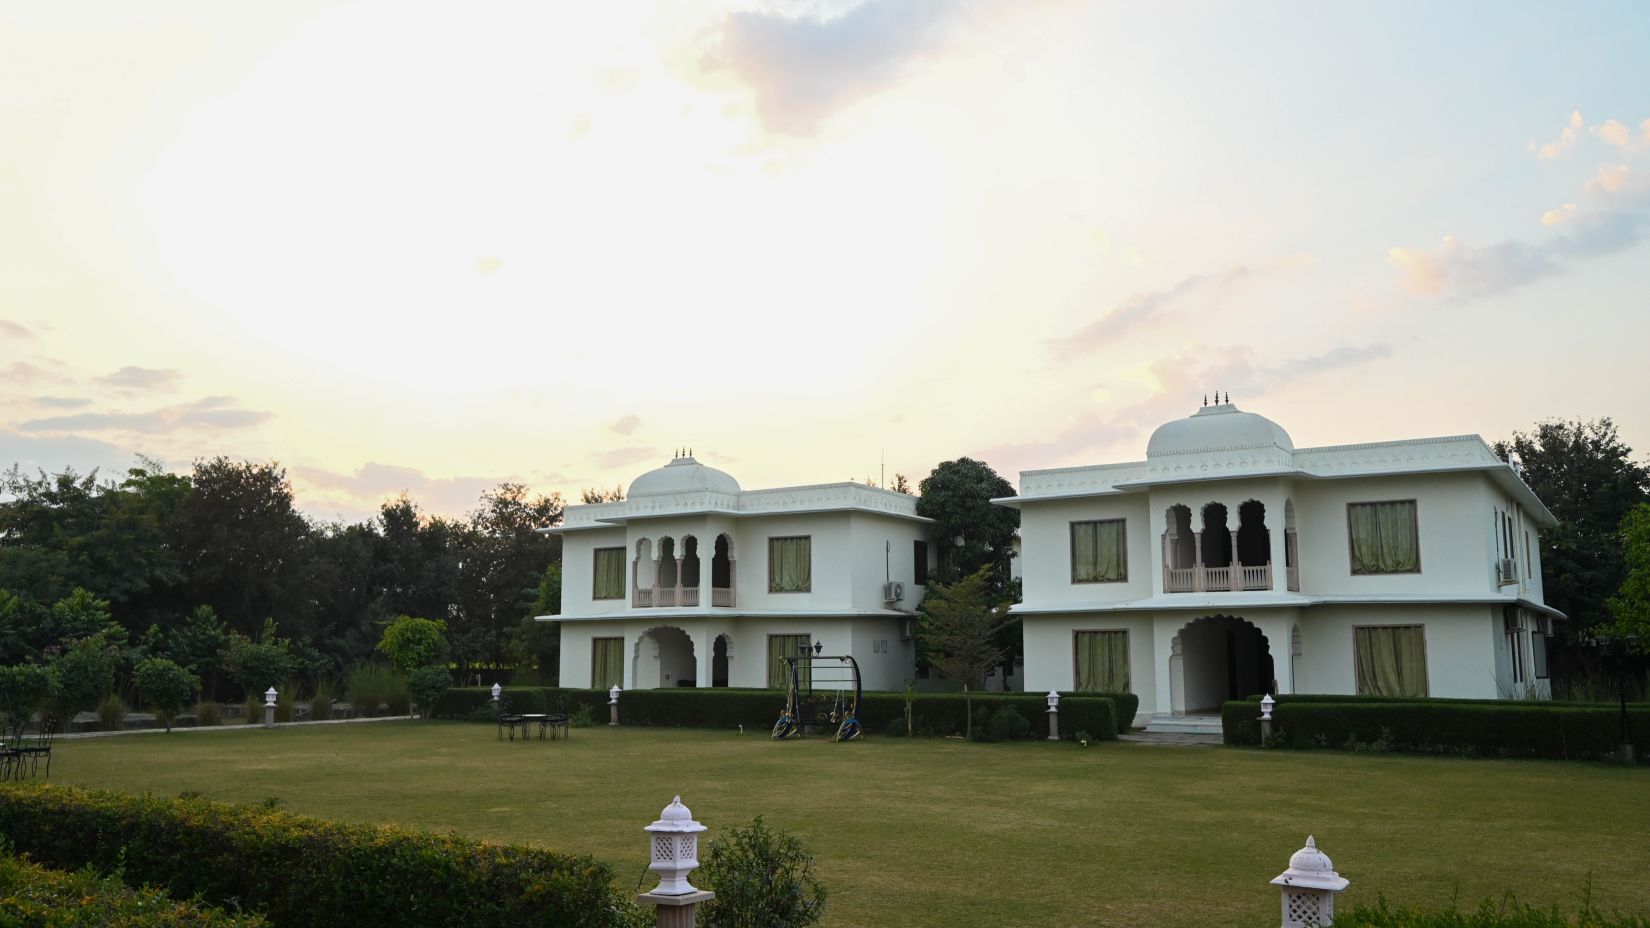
(934, 832)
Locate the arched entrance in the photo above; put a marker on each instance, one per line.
(719, 661)
(1221, 657)
(664, 658)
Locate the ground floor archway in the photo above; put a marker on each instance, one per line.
(1216, 658)
(719, 661)
(664, 658)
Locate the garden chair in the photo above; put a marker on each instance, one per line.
(509, 721)
(41, 746)
(558, 719)
(11, 749)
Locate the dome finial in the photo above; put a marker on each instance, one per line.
(1228, 397)
(1205, 399)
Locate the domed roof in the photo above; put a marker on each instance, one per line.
(682, 475)
(1311, 860)
(1215, 428)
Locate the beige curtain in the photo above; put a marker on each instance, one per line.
(781, 647)
(1384, 538)
(607, 657)
(1099, 552)
(1103, 662)
(609, 573)
(790, 565)
(1391, 660)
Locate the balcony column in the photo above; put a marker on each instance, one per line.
(1167, 563)
(1234, 571)
(1198, 583)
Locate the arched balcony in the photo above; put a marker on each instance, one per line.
(676, 578)
(1219, 558)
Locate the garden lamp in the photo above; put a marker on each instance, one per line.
(497, 692)
(269, 696)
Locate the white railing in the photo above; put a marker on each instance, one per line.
(1257, 578)
(1179, 579)
(1217, 579)
(690, 595)
(665, 596)
(721, 597)
(643, 598)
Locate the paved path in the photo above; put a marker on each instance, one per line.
(1177, 739)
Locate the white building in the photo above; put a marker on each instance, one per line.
(692, 581)
(1230, 563)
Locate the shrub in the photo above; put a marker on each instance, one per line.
(24, 689)
(399, 699)
(320, 703)
(305, 871)
(427, 684)
(254, 710)
(31, 895)
(370, 688)
(84, 674)
(207, 714)
(286, 701)
(1508, 913)
(581, 718)
(1007, 724)
(258, 665)
(412, 643)
(762, 879)
(111, 714)
(166, 687)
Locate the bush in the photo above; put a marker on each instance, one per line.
(371, 688)
(304, 871)
(1501, 729)
(320, 703)
(32, 896)
(257, 665)
(412, 643)
(84, 674)
(1508, 913)
(254, 710)
(427, 684)
(111, 714)
(1007, 724)
(762, 879)
(581, 718)
(286, 701)
(166, 687)
(207, 714)
(24, 689)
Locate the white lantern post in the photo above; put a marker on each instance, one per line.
(1266, 704)
(673, 844)
(497, 692)
(269, 708)
(1053, 715)
(1309, 887)
(613, 705)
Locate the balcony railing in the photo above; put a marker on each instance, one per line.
(685, 596)
(642, 598)
(1180, 579)
(721, 597)
(1218, 579)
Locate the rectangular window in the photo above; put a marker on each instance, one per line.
(609, 574)
(781, 647)
(1384, 537)
(1390, 660)
(1099, 552)
(606, 661)
(1538, 649)
(1102, 662)
(919, 561)
(790, 564)
(1512, 624)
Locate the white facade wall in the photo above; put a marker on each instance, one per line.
(1045, 537)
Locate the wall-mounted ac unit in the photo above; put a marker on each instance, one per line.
(893, 592)
(1506, 571)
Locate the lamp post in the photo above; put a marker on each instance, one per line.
(613, 705)
(1266, 704)
(269, 707)
(1053, 715)
(673, 846)
(497, 692)
(1309, 887)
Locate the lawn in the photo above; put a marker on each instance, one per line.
(937, 832)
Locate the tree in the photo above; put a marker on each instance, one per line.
(243, 543)
(166, 687)
(970, 531)
(427, 683)
(502, 556)
(84, 673)
(1588, 479)
(763, 879)
(201, 644)
(597, 495)
(1630, 605)
(262, 663)
(24, 689)
(412, 643)
(957, 632)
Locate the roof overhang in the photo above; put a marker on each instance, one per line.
(1191, 602)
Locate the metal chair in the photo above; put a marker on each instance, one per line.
(40, 747)
(559, 719)
(508, 721)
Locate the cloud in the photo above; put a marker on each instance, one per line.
(1139, 308)
(803, 68)
(621, 457)
(1568, 138)
(1332, 360)
(358, 495)
(1611, 178)
(625, 425)
(1559, 216)
(61, 402)
(1468, 271)
(134, 379)
(212, 412)
(53, 453)
(1614, 133)
(10, 329)
(23, 373)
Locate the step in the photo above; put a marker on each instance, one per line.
(1185, 724)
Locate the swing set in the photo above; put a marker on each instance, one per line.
(810, 703)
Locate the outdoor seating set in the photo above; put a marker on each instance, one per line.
(552, 722)
(20, 755)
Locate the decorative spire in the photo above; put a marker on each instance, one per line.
(1228, 397)
(1205, 399)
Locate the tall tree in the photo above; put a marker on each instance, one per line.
(958, 631)
(1630, 606)
(598, 495)
(502, 557)
(243, 544)
(1588, 478)
(970, 531)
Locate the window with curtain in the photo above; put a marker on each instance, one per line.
(790, 564)
(1099, 552)
(1384, 537)
(1391, 660)
(609, 574)
(607, 660)
(781, 647)
(1102, 662)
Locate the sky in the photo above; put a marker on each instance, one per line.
(430, 247)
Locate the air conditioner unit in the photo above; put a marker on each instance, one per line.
(1506, 571)
(893, 592)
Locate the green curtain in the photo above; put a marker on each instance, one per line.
(790, 565)
(1391, 660)
(606, 661)
(609, 573)
(1099, 552)
(1103, 662)
(1384, 538)
(781, 647)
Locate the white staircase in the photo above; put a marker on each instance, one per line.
(1164, 723)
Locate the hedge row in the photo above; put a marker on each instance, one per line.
(32, 896)
(304, 871)
(1497, 729)
(757, 710)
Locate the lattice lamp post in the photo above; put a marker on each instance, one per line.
(269, 708)
(673, 842)
(1053, 715)
(613, 705)
(1309, 887)
(497, 692)
(1266, 704)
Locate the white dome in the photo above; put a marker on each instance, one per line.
(682, 475)
(1216, 428)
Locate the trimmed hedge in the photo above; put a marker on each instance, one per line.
(758, 709)
(306, 871)
(32, 896)
(1496, 729)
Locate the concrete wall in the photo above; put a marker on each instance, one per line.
(1460, 641)
(1045, 537)
(578, 572)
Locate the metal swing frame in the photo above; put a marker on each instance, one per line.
(801, 711)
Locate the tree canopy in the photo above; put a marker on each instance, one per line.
(1630, 606)
(970, 531)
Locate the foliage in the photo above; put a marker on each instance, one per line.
(31, 896)
(166, 687)
(24, 689)
(201, 643)
(259, 664)
(412, 643)
(320, 701)
(763, 878)
(590, 495)
(958, 630)
(111, 713)
(1630, 606)
(85, 673)
(1586, 476)
(427, 684)
(208, 713)
(286, 701)
(1507, 913)
(1499, 728)
(957, 496)
(1007, 724)
(549, 597)
(373, 686)
(306, 871)
(243, 544)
